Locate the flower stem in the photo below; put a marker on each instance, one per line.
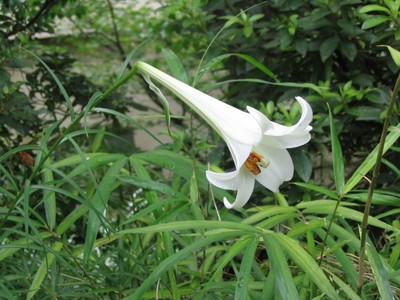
(372, 185)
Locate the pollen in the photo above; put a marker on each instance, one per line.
(255, 161)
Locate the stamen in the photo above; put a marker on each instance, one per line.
(255, 161)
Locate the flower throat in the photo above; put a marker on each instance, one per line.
(255, 161)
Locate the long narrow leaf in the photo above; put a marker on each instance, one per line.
(214, 227)
(242, 283)
(233, 250)
(307, 263)
(345, 212)
(173, 260)
(283, 277)
(58, 82)
(49, 197)
(370, 160)
(245, 57)
(42, 271)
(128, 119)
(380, 271)
(129, 58)
(337, 156)
(99, 202)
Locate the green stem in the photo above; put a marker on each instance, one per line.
(372, 185)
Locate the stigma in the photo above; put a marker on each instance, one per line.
(255, 161)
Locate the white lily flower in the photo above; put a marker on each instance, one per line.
(258, 145)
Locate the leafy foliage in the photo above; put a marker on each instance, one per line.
(88, 212)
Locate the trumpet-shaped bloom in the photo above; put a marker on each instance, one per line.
(258, 145)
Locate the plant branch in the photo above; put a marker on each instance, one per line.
(45, 8)
(116, 33)
(372, 185)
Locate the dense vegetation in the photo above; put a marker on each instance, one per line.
(103, 193)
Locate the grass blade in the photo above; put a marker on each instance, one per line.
(129, 58)
(49, 197)
(337, 156)
(42, 271)
(233, 250)
(380, 272)
(99, 202)
(171, 261)
(283, 277)
(58, 82)
(307, 263)
(242, 285)
(370, 160)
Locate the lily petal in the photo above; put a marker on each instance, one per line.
(286, 136)
(244, 190)
(228, 121)
(280, 167)
(239, 152)
(226, 180)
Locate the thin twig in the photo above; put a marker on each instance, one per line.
(116, 33)
(45, 8)
(372, 185)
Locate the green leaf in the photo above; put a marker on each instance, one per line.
(245, 57)
(348, 49)
(232, 251)
(43, 270)
(175, 65)
(344, 286)
(129, 58)
(337, 156)
(173, 260)
(300, 45)
(49, 197)
(394, 258)
(302, 163)
(149, 184)
(318, 189)
(328, 47)
(306, 262)
(347, 265)
(283, 277)
(393, 6)
(374, 21)
(328, 206)
(373, 7)
(179, 165)
(242, 284)
(128, 119)
(93, 160)
(71, 218)
(370, 160)
(395, 55)
(380, 271)
(380, 198)
(58, 82)
(99, 203)
(98, 140)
